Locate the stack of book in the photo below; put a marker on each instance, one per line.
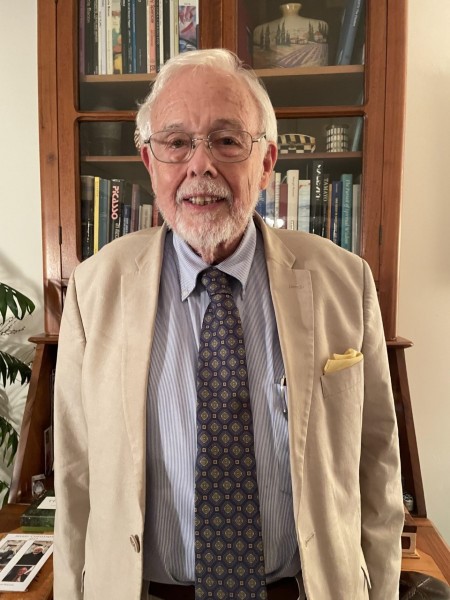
(135, 36)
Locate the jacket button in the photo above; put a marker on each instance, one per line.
(134, 539)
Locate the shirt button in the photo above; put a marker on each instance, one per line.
(134, 539)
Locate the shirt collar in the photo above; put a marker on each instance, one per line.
(238, 264)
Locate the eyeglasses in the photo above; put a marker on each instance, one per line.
(225, 145)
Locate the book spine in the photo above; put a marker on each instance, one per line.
(82, 26)
(94, 49)
(174, 37)
(316, 197)
(276, 214)
(104, 208)
(335, 225)
(141, 36)
(109, 49)
(96, 213)
(160, 48)
(124, 34)
(292, 176)
(356, 218)
(125, 218)
(87, 216)
(346, 211)
(102, 60)
(151, 35)
(283, 206)
(116, 36)
(187, 25)
(350, 21)
(115, 208)
(261, 204)
(304, 199)
(166, 30)
(270, 201)
(157, 34)
(133, 190)
(132, 35)
(325, 187)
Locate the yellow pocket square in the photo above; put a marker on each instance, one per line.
(342, 361)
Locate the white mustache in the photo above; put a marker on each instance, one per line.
(205, 187)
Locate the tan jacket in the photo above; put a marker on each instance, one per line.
(343, 435)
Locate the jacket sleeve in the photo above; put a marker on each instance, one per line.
(71, 455)
(382, 513)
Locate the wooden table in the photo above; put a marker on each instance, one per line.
(41, 587)
(434, 554)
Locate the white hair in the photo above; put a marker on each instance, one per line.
(220, 60)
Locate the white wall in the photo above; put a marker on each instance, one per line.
(424, 299)
(20, 212)
(424, 303)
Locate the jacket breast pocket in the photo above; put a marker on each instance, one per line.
(344, 380)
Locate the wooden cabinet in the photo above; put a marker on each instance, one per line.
(77, 108)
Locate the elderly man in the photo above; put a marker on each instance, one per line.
(224, 423)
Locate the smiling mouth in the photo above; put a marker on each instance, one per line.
(203, 200)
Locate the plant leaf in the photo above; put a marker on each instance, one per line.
(9, 440)
(17, 302)
(4, 486)
(10, 367)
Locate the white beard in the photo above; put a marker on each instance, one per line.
(208, 232)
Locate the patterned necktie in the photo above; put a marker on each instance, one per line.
(229, 561)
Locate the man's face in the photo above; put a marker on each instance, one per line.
(207, 202)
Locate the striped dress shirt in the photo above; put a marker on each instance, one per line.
(172, 412)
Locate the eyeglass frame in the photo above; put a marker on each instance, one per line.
(195, 145)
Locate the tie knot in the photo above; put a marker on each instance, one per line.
(217, 283)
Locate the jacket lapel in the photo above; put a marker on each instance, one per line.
(292, 297)
(139, 293)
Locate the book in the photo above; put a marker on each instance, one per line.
(316, 201)
(335, 212)
(132, 36)
(346, 210)
(103, 212)
(304, 198)
(94, 49)
(22, 557)
(108, 38)
(260, 207)
(349, 27)
(116, 37)
(270, 201)
(283, 205)
(174, 47)
(87, 216)
(96, 213)
(125, 218)
(40, 515)
(82, 37)
(160, 47)
(141, 36)
(151, 37)
(276, 213)
(292, 177)
(187, 25)
(145, 216)
(325, 189)
(124, 32)
(133, 191)
(356, 218)
(166, 30)
(115, 209)
(101, 28)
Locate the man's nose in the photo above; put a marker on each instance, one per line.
(202, 162)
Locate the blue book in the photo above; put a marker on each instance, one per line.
(346, 210)
(261, 204)
(349, 27)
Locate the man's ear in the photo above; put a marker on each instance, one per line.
(146, 158)
(269, 161)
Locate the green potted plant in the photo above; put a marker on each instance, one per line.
(14, 306)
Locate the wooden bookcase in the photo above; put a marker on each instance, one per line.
(373, 92)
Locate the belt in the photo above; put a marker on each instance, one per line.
(283, 589)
